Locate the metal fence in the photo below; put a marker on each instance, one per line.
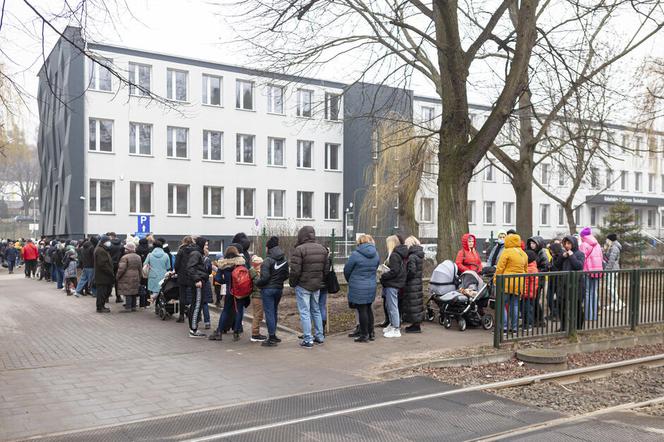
(564, 303)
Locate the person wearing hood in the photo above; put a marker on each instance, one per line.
(274, 271)
(552, 293)
(513, 261)
(360, 272)
(242, 243)
(104, 274)
(58, 259)
(44, 261)
(88, 263)
(186, 246)
(594, 260)
(537, 245)
(143, 249)
(158, 263)
(116, 250)
(571, 260)
(468, 258)
(232, 258)
(30, 255)
(198, 274)
(128, 276)
(70, 264)
(308, 270)
(413, 300)
(612, 250)
(393, 279)
(497, 249)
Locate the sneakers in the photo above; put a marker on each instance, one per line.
(392, 333)
(275, 339)
(104, 310)
(307, 345)
(216, 336)
(196, 334)
(207, 326)
(387, 329)
(258, 338)
(415, 328)
(355, 333)
(361, 339)
(269, 343)
(318, 341)
(236, 336)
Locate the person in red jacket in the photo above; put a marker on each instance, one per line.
(468, 258)
(30, 256)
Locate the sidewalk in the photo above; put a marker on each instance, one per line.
(63, 366)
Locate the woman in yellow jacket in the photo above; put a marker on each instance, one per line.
(513, 261)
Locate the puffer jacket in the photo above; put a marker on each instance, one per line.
(70, 263)
(572, 263)
(360, 272)
(30, 252)
(513, 261)
(104, 274)
(116, 250)
(88, 255)
(613, 256)
(195, 267)
(468, 259)
(129, 274)
(159, 263)
(395, 277)
(593, 254)
(413, 304)
(532, 283)
(543, 264)
(274, 270)
(181, 260)
(308, 264)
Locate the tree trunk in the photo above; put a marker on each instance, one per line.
(452, 204)
(569, 213)
(522, 182)
(26, 205)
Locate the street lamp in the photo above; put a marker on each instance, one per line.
(347, 226)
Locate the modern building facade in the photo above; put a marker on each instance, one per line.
(214, 149)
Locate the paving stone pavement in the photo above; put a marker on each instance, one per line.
(64, 367)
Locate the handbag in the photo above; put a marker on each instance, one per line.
(146, 270)
(332, 283)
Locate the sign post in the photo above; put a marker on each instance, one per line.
(143, 226)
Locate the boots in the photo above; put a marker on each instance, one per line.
(355, 333)
(324, 327)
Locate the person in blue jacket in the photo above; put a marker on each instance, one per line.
(360, 272)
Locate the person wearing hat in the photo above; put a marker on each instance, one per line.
(130, 269)
(104, 275)
(198, 274)
(612, 250)
(274, 271)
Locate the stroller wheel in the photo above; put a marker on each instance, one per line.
(430, 315)
(445, 321)
(163, 314)
(462, 324)
(487, 322)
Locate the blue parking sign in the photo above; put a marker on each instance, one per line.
(143, 225)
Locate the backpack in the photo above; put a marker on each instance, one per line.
(241, 284)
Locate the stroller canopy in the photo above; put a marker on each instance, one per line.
(444, 278)
(471, 280)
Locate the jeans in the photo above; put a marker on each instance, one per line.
(528, 311)
(271, 298)
(511, 304)
(391, 296)
(130, 302)
(231, 304)
(30, 267)
(10, 265)
(308, 304)
(322, 301)
(590, 300)
(206, 312)
(58, 276)
(87, 276)
(616, 303)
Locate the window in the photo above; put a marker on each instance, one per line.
(305, 205)
(594, 177)
(637, 146)
(637, 181)
(623, 180)
(561, 175)
(506, 179)
(245, 202)
(331, 156)
(100, 196)
(99, 76)
(637, 217)
(213, 145)
(488, 173)
(244, 153)
(651, 182)
(609, 178)
(427, 114)
(544, 214)
(275, 99)
(140, 76)
(304, 100)
(176, 84)
(332, 106)
(625, 143)
(244, 95)
(545, 174)
(561, 215)
(178, 199)
(652, 147)
(275, 151)
(100, 136)
(652, 220)
(140, 197)
(426, 210)
(577, 216)
(275, 203)
(211, 90)
(305, 154)
(176, 146)
(331, 206)
(661, 183)
(508, 213)
(140, 139)
(213, 201)
(593, 216)
(471, 211)
(489, 209)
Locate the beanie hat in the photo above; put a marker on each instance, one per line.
(130, 247)
(272, 242)
(532, 256)
(612, 237)
(200, 241)
(585, 232)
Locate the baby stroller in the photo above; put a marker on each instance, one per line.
(168, 298)
(444, 279)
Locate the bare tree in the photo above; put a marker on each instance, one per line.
(20, 170)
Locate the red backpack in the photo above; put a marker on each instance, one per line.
(241, 284)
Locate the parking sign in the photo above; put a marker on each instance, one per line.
(143, 224)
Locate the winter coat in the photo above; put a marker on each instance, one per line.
(104, 274)
(116, 251)
(413, 305)
(255, 290)
(70, 263)
(195, 267)
(360, 272)
(572, 263)
(11, 253)
(129, 274)
(468, 259)
(207, 286)
(274, 270)
(180, 266)
(59, 256)
(613, 256)
(395, 277)
(159, 263)
(242, 243)
(513, 261)
(225, 268)
(30, 252)
(495, 253)
(88, 255)
(542, 261)
(308, 264)
(532, 283)
(593, 255)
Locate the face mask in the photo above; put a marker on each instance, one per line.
(107, 244)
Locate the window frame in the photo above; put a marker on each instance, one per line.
(271, 99)
(652, 182)
(173, 140)
(206, 89)
(491, 204)
(489, 170)
(97, 148)
(328, 206)
(470, 209)
(207, 199)
(301, 92)
(240, 149)
(328, 150)
(137, 139)
(239, 95)
(299, 163)
(593, 216)
(239, 202)
(328, 96)
(174, 196)
(270, 152)
(171, 93)
(300, 205)
(134, 71)
(637, 181)
(561, 215)
(422, 218)
(137, 197)
(97, 198)
(271, 199)
(207, 147)
(546, 222)
(94, 69)
(508, 208)
(624, 180)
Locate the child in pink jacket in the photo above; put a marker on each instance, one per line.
(594, 258)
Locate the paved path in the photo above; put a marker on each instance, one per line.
(63, 367)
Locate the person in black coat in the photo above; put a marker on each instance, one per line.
(143, 250)
(180, 269)
(88, 263)
(274, 272)
(413, 302)
(552, 298)
(116, 251)
(197, 274)
(571, 260)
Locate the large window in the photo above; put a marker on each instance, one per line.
(275, 99)
(178, 199)
(652, 219)
(177, 144)
(332, 105)
(489, 173)
(140, 197)
(100, 196)
(140, 76)
(275, 203)
(331, 206)
(244, 94)
(471, 211)
(562, 175)
(275, 151)
(637, 181)
(623, 180)
(545, 174)
(426, 210)
(561, 215)
(594, 177)
(140, 139)
(305, 201)
(100, 135)
(651, 182)
(427, 114)
(245, 202)
(593, 216)
(99, 76)
(176, 84)
(609, 179)
(638, 217)
(331, 156)
(213, 145)
(305, 154)
(211, 90)
(544, 214)
(489, 212)
(508, 213)
(244, 153)
(304, 102)
(213, 201)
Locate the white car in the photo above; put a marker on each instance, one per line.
(430, 251)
